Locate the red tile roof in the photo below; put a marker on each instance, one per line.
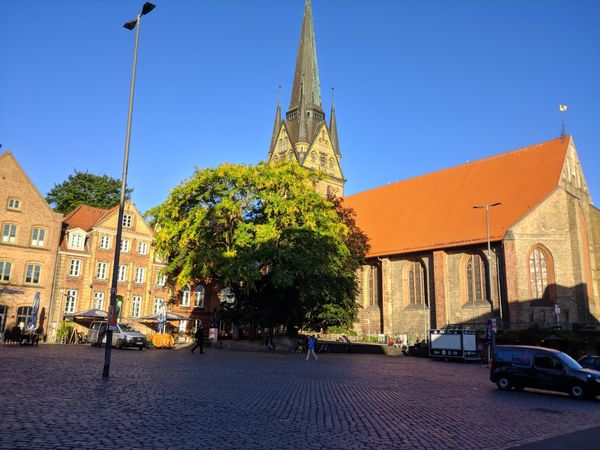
(85, 217)
(436, 210)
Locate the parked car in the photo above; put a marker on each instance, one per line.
(419, 348)
(590, 362)
(521, 366)
(123, 336)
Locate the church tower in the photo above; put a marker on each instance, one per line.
(304, 135)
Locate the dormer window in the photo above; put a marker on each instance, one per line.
(14, 204)
(127, 220)
(76, 240)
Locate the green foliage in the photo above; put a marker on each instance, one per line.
(64, 330)
(341, 330)
(264, 232)
(84, 188)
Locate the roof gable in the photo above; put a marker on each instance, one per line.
(139, 225)
(7, 159)
(436, 210)
(572, 178)
(322, 147)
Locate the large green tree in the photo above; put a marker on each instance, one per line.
(265, 233)
(84, 188)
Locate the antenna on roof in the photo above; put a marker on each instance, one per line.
(562, 109)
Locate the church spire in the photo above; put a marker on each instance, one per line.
(306, 76)
(333, 127)
(277, 124)
(304, 132)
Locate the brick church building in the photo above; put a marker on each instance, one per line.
(428, 263)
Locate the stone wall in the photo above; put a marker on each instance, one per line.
(552, 226)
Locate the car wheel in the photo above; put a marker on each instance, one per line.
(120, 344)
(577, 391)
(503, 383)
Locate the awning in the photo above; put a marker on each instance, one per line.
(170, 316)
(89, 314)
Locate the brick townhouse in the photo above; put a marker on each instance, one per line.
(85, 265)
(30, 231)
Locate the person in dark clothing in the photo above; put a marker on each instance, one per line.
(199, 336)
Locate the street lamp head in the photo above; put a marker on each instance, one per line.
(147, 8)
(131, 24)
(486, 206)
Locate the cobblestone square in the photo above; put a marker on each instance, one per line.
(54, 397)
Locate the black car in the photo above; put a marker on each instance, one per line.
(521, 366)
(590, 362)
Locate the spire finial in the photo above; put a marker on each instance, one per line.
(278, 96)
(562, 109)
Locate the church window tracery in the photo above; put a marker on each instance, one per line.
(476, 279)
(416, 284)
(373, 286)
(541, 274)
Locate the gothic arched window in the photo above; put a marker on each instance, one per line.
(476, 279)
(541, 273)
(373, 286)
(416, 283)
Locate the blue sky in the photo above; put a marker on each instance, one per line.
(420, 85)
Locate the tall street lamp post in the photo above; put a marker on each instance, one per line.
(489, 273)
(112, 310)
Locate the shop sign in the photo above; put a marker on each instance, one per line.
(11, 291)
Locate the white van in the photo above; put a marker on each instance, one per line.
(123, 336)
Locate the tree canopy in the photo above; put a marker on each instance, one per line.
(84, 188)
(263, 232)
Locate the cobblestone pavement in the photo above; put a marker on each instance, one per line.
(54, 397)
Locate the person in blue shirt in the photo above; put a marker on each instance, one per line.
(311, 347)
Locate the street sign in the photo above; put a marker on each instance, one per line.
(491, 329)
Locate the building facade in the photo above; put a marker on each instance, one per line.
(85, 266)
(428, 264)
(303, 135)
(30, 231)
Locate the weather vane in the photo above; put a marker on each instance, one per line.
(562, 109)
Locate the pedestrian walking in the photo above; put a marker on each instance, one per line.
(311, 347)
(199, 337)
